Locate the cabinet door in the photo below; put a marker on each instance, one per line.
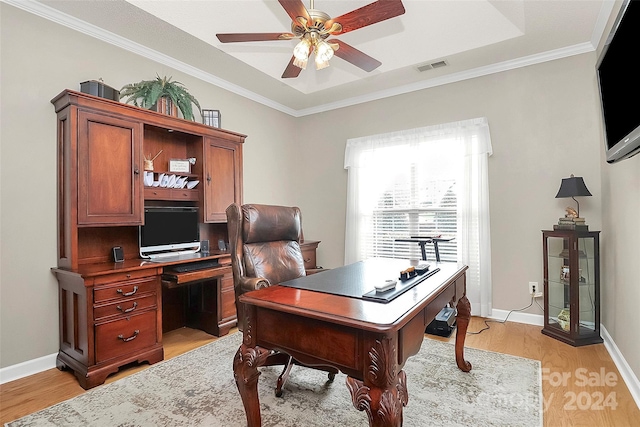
(222, 178)
(109, 180)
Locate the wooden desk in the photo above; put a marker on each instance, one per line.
(368, 341)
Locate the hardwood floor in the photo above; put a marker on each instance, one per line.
(581, 385)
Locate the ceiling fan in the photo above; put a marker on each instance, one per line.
(313, 27)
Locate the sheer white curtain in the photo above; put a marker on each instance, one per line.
(459, 150)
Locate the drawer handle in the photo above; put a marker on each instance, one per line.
(307, 260)
(128, 294)
(132, 337)
(128, 310)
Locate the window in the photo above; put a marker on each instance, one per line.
(422, 182)
(418, 199)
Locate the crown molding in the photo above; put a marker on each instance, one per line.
(456, 77)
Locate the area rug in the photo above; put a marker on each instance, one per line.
(197, 389)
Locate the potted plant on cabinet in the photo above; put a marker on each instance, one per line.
(161, 94)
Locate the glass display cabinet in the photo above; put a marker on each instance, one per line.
(572, 286)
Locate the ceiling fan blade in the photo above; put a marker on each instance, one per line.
(354, 56)
(291, 70)
(253, 37)
(372, 13)
(295, 8)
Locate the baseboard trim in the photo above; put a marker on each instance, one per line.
(30, 367)
(628, 376)
(527, 318)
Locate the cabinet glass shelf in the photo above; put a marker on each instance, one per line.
(572, 286)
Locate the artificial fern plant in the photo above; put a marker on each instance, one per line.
(146, 94)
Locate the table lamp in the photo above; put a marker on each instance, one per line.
(572, 187)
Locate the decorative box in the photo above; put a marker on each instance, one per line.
(98, 88)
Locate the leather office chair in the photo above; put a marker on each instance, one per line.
(264, 242)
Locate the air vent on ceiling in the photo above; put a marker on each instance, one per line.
(437, 64)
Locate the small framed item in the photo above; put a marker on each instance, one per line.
(180, 165)
(117, 254)
(212, 118)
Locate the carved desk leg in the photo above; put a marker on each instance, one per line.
(383, 393)
(245, 372)
(464, 314)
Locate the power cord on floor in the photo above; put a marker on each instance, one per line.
(505, 319)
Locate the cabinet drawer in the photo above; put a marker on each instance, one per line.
(156, 193)
(309, 257)
(126, 289)
(125, 336)
(121, 277)
(125, 306)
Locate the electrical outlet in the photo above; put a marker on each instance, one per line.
(535, 290)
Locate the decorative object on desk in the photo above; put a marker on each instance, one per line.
(117, 254)
(148, 161)
(148, 178)
(408, 273)
(159, 94)
(212, 118)
(98, 88)
(180, 165)
(164, 180)
(385, 286)
(190, 387)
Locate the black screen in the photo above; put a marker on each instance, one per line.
(619, 78)
(169, 225)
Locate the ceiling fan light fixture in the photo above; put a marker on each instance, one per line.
(324, 52)
(302, 49)
(321, 64)
(300, 63)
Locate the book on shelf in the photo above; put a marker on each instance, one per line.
(576, 227)
(570, 220)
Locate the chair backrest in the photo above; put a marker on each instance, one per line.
(264, 242)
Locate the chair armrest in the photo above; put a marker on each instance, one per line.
(252, 283)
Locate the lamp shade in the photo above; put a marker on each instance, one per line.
(573, 186)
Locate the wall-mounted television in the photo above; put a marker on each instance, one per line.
(168, 231)
(619, 83)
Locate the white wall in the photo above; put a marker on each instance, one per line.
(544, 122)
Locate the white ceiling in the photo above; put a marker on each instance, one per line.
(474, 37)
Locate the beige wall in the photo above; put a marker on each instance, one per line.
(39, 60)
(544, 122)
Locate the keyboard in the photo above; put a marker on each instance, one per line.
(195, 266)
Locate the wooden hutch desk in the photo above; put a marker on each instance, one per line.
(112, 314)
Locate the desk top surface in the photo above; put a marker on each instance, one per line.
(128, 265)
(350, 310)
